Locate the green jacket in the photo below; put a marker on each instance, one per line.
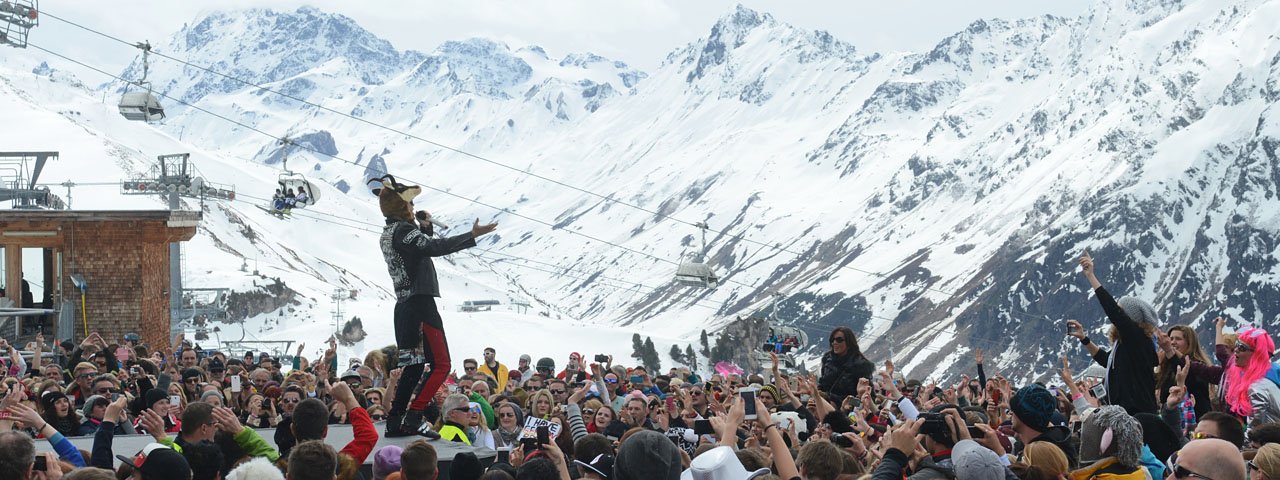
(248, 440)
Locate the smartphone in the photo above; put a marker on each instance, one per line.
(1099, 391)
(235, 384)
(41, 464)
(601, 358)
(841, 441)
(671, 404)
(703, 427)
(175, 400)
(504, 455)
(749, 402)
(122, 354)
(636, 379)
(975, 432)
(544, 436)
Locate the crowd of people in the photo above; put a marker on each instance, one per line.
(1163, 409)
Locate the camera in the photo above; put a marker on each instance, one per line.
(266, 403)
(41, 464)
(602, 358)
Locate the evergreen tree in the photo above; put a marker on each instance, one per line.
(650, 358)
(637, 346)
(676, 355)
(706, 347)
(690, 358)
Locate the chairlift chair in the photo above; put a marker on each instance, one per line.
(297, 182)
(141, 106)
(697, 273)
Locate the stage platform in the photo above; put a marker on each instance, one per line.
(339, 436)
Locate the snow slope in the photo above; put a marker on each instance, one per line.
(933, 201)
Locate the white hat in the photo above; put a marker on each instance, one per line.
(719, 464)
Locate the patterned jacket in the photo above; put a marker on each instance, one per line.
(408, 248)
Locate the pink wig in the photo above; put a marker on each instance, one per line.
(1240, 379)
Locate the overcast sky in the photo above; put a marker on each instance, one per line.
(639, 32)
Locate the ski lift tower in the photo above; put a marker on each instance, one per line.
(173, 178)
(19, 179)
(16, 19)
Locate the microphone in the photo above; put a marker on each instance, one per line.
(423, 216)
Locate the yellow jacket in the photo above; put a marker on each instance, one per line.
(452, 433)
(1108, 469)
(500, 376)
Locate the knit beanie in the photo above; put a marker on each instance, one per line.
(1034, 406)
(204, 397)
(976, 462)
(647, 455)
(385, 461)
(1138, 310)
(773, 392)
(152, 396)
(1111, 432)
(51, 397)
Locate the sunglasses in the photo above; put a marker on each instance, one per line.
(610, 380)
(192, 380)
(378, 417)
(1201, 436)
(837, 339)
(1251, 466)
(555, 391)
(463, 409)
(289, 400)
(1180, 471)
(1241, 347)
(506, 415)
(104, 391)
(86, 375)
(588, 411)
(469, 369)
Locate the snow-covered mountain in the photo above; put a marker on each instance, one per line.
(933, 201)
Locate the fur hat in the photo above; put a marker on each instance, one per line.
(257, 469)
(394, 198)
(1111, 432)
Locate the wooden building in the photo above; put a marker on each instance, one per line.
(121, 258)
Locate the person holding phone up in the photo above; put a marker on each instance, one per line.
(1131, 362)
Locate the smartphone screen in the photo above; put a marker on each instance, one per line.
(749, 402)
(504, 455)
(636, 379)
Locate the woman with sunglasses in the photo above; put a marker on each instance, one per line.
(1250, 394)
(477, 427)
(510, 424)
(843, 365)
(1266, 463)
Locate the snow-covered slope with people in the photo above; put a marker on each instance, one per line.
(933, 201)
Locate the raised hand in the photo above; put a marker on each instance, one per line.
(903, 436)
(1176, 394)
(1074, 329)
(977, 355)
(1183, 370)
(227, 420)
(115, 409)
(1086, 263)
(478, 230)
(1219, 324)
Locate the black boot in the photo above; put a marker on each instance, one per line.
(413, 424)
(395, 427)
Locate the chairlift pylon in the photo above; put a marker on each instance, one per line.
(141, 106)
(697, 273)
(17, 17)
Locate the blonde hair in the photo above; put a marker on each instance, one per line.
(1047, 457)
(533, 400)
(1268, 460)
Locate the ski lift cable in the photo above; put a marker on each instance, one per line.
(446, 192)
(608, 198)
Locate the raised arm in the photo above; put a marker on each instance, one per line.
(1074, 329)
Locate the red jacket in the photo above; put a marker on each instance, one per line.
(365, 435)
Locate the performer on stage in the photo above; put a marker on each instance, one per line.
(407, 247)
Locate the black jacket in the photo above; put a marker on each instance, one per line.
(408, 249)
(1061, 437)
(840, 374)
(1132, 382)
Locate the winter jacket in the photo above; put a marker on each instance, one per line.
(408, 249)
(452, 432)
(1131, 380)
(1108, 469)
(895, 462)
(90, 426)
(1264, 394)
(840, 374)
(1060, 437)
(500, 375)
